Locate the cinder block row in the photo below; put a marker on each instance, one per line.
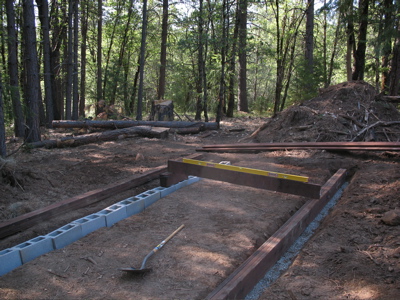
(14, 257)
(9, 260)
(91, 223)
(65, 235)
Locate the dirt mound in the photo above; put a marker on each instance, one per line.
(347, 111)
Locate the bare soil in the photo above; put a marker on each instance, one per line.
(352, 255)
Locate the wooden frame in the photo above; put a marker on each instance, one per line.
(178, 171)
(244, 278)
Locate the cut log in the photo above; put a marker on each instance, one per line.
(72, 141)
(187, 130)
(130, 123)
(162, 110)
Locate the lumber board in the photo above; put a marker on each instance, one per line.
(178, 171)
(308, 144)
(331, 146)
(259, 149)
(25, 221)
(246, 170)
(244, 278)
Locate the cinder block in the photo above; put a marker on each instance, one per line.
(134, 205)
(181, 184)
(91, 223)
(9, 260)
(149, 197)
(65, 235)
(167, 190)
(35, 247)
(113, 214)
(192, 179)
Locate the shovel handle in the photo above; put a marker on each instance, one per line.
(158, 247)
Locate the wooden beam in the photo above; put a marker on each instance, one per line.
(307, 144)
(25, 221)
(244, 278)
(347, 146)
(178, 171)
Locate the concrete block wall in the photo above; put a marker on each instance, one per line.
(16, 256)
(9, 260)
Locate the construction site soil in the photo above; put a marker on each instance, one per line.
(354, 253)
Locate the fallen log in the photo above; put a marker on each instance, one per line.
(72, 141)
(117, 124)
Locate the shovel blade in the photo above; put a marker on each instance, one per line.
(135, 271)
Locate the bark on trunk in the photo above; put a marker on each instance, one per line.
(359, 55)
(31, 73)
(43, 7)
(131, 123)
(3, 151)
(163, 52)
(19, 128)
(242, 97)
(109, 135)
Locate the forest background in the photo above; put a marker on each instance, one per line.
(61, 59)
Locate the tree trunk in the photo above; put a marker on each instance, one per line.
(242, 95)
(59, 34)
(359, 55)
(75, 87)
(110, 135)
(131, 123)
(31, 85)
(221, 94)
(99, 51)
(309, 40)
(142, 61)
(68, 87)
(200, 63)
(348, 16)
(386, 41)
(43, 7)
(394, 74)
(3, 149)
(232, 67)
(163, 52)
(84, 28)
(19, 129)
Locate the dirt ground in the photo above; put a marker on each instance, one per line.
(352, 255)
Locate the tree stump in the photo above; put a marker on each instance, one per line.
(162, 110)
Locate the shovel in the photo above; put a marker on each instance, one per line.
(143, 268)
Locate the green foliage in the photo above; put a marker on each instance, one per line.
(121, 43)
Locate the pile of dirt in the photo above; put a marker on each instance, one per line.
(347, 111)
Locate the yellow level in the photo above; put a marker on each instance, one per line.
(245, 170)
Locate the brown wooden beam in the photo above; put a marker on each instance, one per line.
(344, 146)
(307, 144)
(25, 221)
(260, 149)
(244, 278)
(179, 171)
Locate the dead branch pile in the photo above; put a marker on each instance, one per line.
(345, 112)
